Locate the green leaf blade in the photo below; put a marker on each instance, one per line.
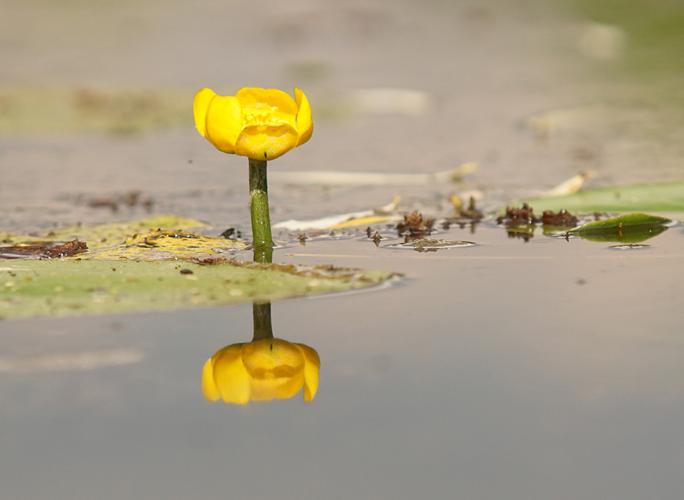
(630, 228)
(662, 197)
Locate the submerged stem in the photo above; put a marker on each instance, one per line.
(261, 222)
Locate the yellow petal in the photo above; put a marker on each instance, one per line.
(209, 388)
(304, 120)
(199, 108)
(272, 97)
(224, 122)
(276, 369)
(230, 375)
(312, 365)
(266, 143)
(276, 388)
(271, 358)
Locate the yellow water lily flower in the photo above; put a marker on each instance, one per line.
(261, 370)
(261, 124)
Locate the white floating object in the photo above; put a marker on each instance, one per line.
(603, 42)
(335, 220)
(339, 178)
(391, 101)
(572, 185)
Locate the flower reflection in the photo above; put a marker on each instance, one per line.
(264, 369)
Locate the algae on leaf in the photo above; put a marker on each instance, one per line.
(154, 238)
(631, 228)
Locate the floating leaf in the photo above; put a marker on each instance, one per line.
(146, 265)
(155, 238)
(67, 287)
(74, 110)
(631, 228)
(663, 197)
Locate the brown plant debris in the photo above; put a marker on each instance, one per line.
(232, 234)
(524, 216)
(130, 199)
(562, 218)
(469, 214)
(415, 226)
(517, 216)
(43, 249)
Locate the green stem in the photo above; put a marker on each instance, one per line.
(261, 313)
(262, 242)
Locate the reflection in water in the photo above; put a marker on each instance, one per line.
(264, 369)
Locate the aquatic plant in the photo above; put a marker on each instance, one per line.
(261, 124)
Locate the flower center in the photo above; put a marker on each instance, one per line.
(261, 114)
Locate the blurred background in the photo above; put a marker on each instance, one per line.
(96, 97)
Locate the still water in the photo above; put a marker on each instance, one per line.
(547, 369)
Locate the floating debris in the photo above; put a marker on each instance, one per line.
(43, 249)
(430, 245)
(603, 42)
(630, 246)
(130, 199)
(562, 218)
(571, 185)
(345, 178)
(343, 221)
(469, 214)
(524, 216)
(383, 100)
(517, 216)
(232, 234)
(415, 226)
(521, 222)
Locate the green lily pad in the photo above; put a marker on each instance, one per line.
(68, 287)
(154, 264)
(663, 197)
(631, 228)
